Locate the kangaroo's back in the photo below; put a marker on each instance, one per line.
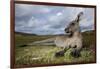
(67, 41)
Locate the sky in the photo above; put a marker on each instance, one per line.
(50, 20)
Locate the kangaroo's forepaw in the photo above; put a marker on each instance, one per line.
(60, 53)
(75, 54)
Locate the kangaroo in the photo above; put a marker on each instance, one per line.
(73, 40)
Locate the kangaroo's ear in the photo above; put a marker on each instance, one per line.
(78, 18)
(80, 14)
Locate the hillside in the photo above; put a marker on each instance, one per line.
(22, 33)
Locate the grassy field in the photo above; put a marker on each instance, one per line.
(40, 54)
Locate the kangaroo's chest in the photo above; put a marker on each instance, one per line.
(65, 42)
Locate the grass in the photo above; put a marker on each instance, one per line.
(45, 54)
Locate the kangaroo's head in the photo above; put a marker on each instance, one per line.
(74, 25)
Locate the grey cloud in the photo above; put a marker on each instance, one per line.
(49, 19)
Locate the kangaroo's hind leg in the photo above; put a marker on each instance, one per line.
(61, 53)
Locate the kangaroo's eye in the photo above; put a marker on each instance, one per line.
(72, 23)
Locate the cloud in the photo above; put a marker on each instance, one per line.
(26, 10)
(43, 20)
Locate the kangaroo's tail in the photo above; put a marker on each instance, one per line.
(49, 41)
